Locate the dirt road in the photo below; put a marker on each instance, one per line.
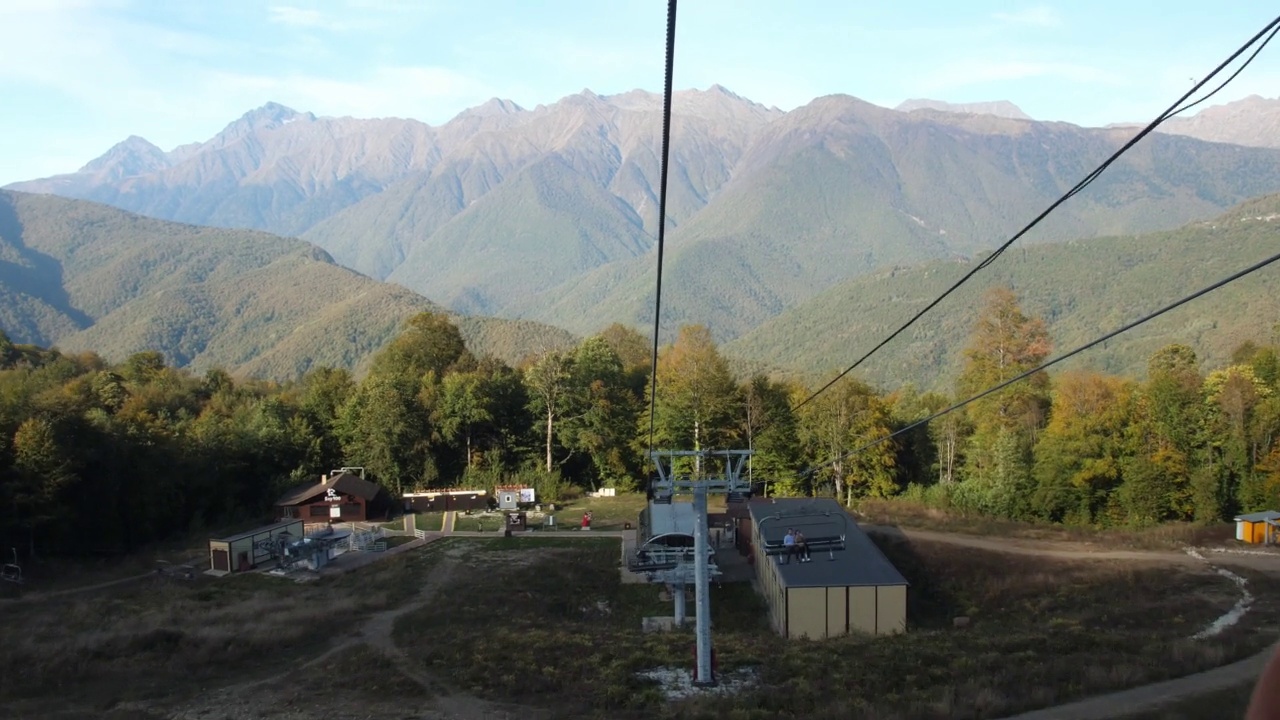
(1135, 700)
(1152, 697)
(1066, 550)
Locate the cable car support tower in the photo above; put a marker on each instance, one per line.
(677, 567)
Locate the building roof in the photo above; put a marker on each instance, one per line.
(1263, 516)
(446, 491)
(258, 531)
(342, 482)
(860, 564)
(667, 518)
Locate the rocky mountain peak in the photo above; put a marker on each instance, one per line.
(132, 156)
(999, 108)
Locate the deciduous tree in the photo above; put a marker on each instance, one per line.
(697, 395)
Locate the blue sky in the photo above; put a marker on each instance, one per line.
(77, 76)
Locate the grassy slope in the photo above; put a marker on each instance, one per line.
(1083, 289)
(248, 301)
(546, 224)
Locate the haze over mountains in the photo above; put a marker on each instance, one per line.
(550, 213)
(1252, 121)
(999, 108)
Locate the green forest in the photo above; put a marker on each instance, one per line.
(101, 458)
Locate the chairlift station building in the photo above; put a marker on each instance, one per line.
(243, 552)
(666, 525)
(853, 590)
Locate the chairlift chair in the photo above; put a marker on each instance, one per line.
(12, 572)
(831, 542)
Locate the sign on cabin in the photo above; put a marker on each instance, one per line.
(331, 495)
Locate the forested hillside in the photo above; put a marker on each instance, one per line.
(106, 457)
(1082, 289)
(85, 276)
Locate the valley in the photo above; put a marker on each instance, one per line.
(86, 276)
(324, 409)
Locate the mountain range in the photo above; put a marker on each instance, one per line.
(549, 216)
(999, 108)
(1253, 121)
(85, 276)
(550, 213)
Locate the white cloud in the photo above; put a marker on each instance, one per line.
(63, 45)
(1039, 16)
(966, 73)
(353, 15)
(392, 6)
(431, 94)
(298, 17)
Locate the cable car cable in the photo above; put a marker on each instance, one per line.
(1178, 303)
(662, 212)
(1173, 109)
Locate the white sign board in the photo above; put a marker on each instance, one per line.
(527, 495)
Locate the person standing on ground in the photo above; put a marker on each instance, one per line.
(788, 544)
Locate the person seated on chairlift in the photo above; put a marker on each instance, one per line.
(802, 547)
(788, 544)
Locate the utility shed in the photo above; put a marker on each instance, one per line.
(840, 592)
(1257, 528)
(240, 553)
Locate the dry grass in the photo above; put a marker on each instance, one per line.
(360, 674)
(161, 637)
(545, 621)
(1166, 536)
(1043, 632)
(1229, 703)
(606, 513)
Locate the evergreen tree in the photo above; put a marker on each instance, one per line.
(997, 457)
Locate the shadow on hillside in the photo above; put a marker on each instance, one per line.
(41, 275)
(930, 603)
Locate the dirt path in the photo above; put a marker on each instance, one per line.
(1067, 550)
(251, 699)
(67, 592)
(1061, 550)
